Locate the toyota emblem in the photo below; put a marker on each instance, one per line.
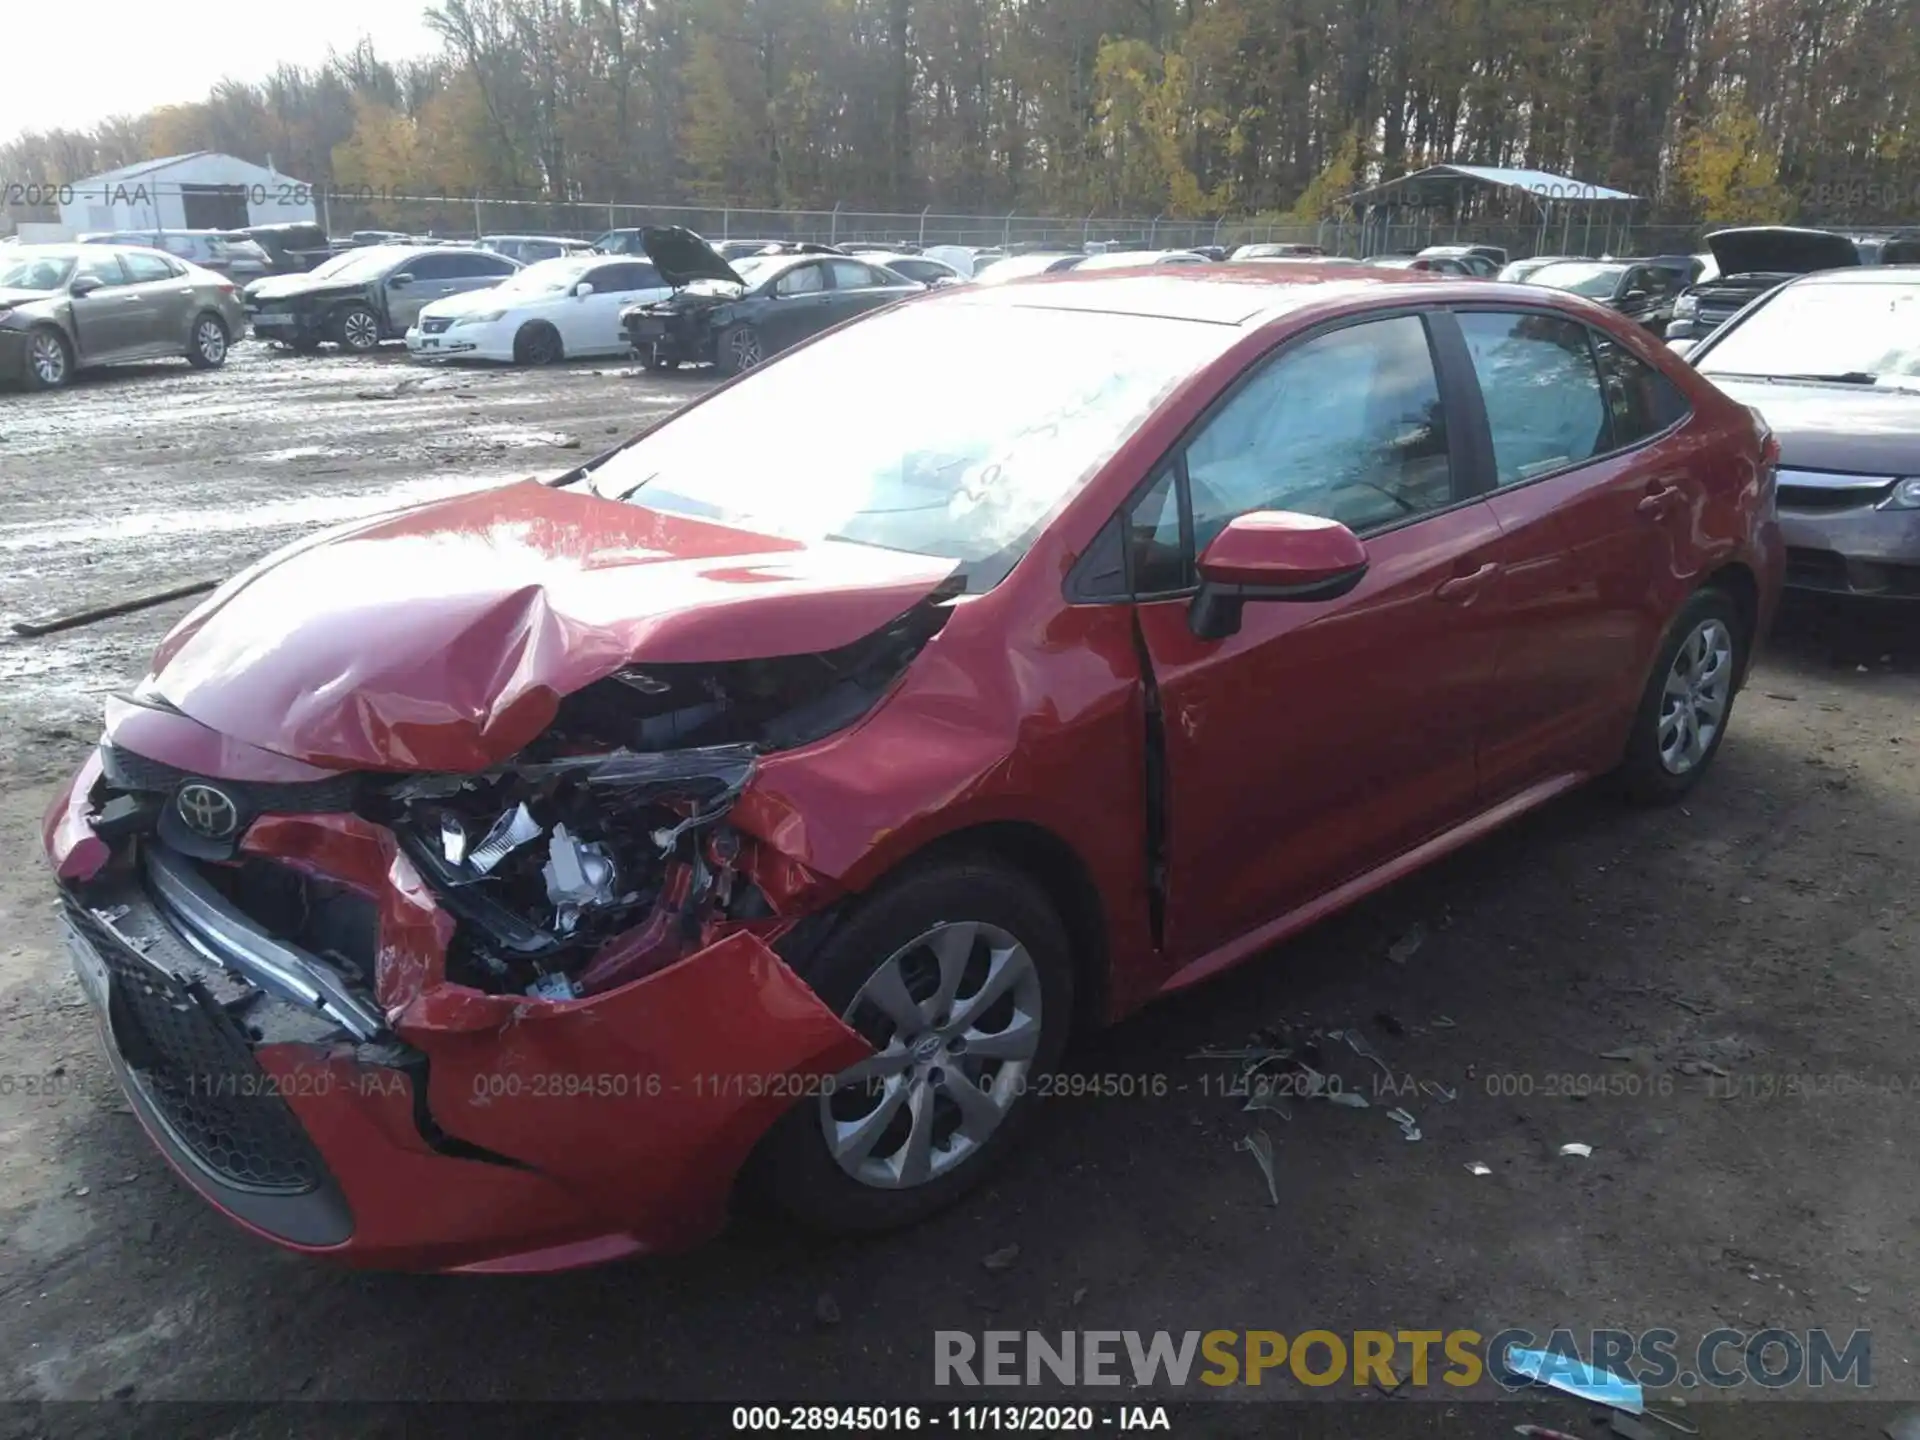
(207, 811)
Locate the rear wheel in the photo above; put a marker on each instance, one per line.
(960, 977)
(356, 328)
(207, 347)
(537, 343)
(49, 359)
(1688, 700)
(738, 349)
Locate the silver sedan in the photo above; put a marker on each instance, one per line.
(65, 308)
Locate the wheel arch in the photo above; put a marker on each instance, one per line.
(1737, 582)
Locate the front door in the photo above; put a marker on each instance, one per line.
(1325, 737)
(106, 321)
(802, 304)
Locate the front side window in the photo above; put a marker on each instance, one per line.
(802, 280)
(103, 265)
(852, 275)
(1542, 393)
(1348, 426)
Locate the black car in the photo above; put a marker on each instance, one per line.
(365, 295)
(1751, 262)
(1642, 290)
(1485, 261)
(292, 248)
(733, 316)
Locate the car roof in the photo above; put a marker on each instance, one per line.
(1218, 293)
(1863, 275)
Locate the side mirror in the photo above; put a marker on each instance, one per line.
(84, 285)
(400, 281)
(1272, 555)
(583, 289)
(1636, 295)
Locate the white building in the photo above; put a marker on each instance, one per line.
(203, 190)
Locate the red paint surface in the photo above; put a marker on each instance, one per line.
(1275, 547)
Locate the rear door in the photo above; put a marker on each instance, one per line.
(1590, 485)
(162, 303)
(1325, 737)
(858, 288)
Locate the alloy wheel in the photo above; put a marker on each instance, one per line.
(954, 1017)
(48, 357)
(746, 349)
(211, 341)
(361, 330)
(1693, 703)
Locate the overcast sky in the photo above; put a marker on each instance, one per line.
(111, 57)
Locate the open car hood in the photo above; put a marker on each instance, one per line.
(1780, 250)
(443, 637)
(682, 256)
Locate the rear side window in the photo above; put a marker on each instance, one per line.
(1640, 400)
(144, 269)
(852, 275)
(618, 279)
(1541, 389)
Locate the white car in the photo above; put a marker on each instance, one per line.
(554, 310)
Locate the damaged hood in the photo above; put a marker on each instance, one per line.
(10, 299)
(442, 638)
(682, 257)
(1780, 250)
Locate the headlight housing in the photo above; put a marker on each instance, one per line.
(1687, 305)
(485, 317)
(1905, 496)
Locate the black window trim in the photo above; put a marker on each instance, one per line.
(1471, 378)
(1435, 318)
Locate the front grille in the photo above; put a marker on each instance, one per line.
(1825, 497)
(125, 770)
(199, 1072)
(434, 327)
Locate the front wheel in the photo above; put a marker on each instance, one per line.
(960, 977)
(1688, 700)
(537, 343)
(49, 359)
(207, 347)
(737, 350)
(357, 329)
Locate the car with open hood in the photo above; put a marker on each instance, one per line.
(1748, 263)
(1833, 362)
(734, 314)
(367, 294)
(1642, 290)
(496, 884)
(66, 308)
(553, 310)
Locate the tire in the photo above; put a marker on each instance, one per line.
(356, 329)
(207, 345)
(991, 917)
(738, 349)
(1688, 701)
(48, 360)
(537, 343)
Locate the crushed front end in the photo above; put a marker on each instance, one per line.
(524, 1017)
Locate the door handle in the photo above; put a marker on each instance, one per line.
(1464, 587)
(1658, 501)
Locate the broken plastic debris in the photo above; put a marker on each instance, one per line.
(1358, 1044)
(1573, 1376)
(1001, 1259)
(554, 987)
(1443, 1022)
(1575, 1147)
(1409, 1127)
(1260, 1145)
(1403, 949)
(453, 839)
(1625, 1052)
(513, 829)
(1439, 1092)
(1475, 1167)
(1352, 1099)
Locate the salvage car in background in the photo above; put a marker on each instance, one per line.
(553, 310)
(71, 307)
(1486, 261)
(1025, 267)
(734, 315)
(921, 268)
(291, 247)
(368, 294)
(1640, 290)
(1748, 263)
(239, 259)
(1833, 363)
(531, 249)
(1128, 259)
(491, 885)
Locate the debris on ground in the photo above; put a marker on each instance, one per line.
(1576, 1147)
(1435, 1090)
(1265, 1098)
(1443, 1022)
(1541, 1432)
(1260, 1145)
(1404, 949)
(1625, 1052)
(1409, 1127)
(1002, 1259)
(1476, 1167)
(1351, 1099)
(1573, 1376)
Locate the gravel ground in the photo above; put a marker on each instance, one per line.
(1751, 952)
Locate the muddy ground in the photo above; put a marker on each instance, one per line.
(1766, 930)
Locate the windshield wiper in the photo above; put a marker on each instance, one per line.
(1845, 377)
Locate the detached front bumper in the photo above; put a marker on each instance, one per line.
(428, 1126)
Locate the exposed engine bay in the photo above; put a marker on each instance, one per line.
(600, 853)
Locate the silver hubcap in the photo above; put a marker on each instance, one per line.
(49, 361)
(746, 350)
(361, 333)
(1694, 704)
(954, 1019)
(212, 341)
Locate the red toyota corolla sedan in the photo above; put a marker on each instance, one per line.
(493, 885)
